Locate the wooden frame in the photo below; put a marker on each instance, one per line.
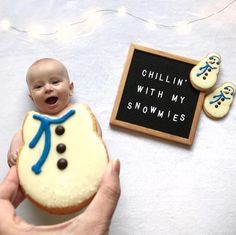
(143, 129)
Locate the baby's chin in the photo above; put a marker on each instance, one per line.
(53, 110)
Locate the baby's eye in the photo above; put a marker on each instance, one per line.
(37, 86)
(55, 81)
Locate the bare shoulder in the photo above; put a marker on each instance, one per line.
(16, 144)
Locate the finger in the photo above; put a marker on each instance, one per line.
(10, 186)
(20, 196)
(11, 162)
(104, 203)
(52, 229)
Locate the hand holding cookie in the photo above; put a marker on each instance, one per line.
(95, 219)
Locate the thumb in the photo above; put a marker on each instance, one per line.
(104, 203)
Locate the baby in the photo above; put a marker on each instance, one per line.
(50, 89)
(61, 142)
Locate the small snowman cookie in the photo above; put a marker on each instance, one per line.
(203, 76)
(62, 160)
(217, 104)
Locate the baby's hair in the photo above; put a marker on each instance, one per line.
(39, 61)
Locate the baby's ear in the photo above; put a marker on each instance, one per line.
(71, 86)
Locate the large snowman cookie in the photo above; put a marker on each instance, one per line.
(62, 160)
(203, 76)
(217, 103)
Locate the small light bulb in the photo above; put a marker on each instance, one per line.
(5, 24)
(122, 11)
(95, 19)
(183, 27)
(35, 31)
(151, 24)
(66, 32)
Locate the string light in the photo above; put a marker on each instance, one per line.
(122, 11)
(35, 31)
(183, 27)
(151, 24)
(5, 24)
(65, 33)
(94, 18)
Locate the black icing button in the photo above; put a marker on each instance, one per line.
(61, 148)
(60, 130)
(62, 163)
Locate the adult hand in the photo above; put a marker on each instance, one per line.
(95, 220)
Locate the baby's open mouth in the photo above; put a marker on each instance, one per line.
(51, 100)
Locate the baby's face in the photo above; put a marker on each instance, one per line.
(49, 86)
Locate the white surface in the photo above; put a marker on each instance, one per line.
(166, 188)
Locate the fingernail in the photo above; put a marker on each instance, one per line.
(116, 166)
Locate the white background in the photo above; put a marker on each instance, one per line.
(167, 188)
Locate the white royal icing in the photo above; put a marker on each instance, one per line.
(203, 76)
(85, 153)
(217, 104)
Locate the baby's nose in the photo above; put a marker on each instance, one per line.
(48, 87)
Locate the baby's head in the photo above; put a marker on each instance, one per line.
(49, 85)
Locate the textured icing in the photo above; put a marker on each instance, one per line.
(217, 103)
(45, 123)
(86, 156)
(203, 76)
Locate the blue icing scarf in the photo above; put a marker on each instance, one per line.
(204, 69)
(45, 127)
